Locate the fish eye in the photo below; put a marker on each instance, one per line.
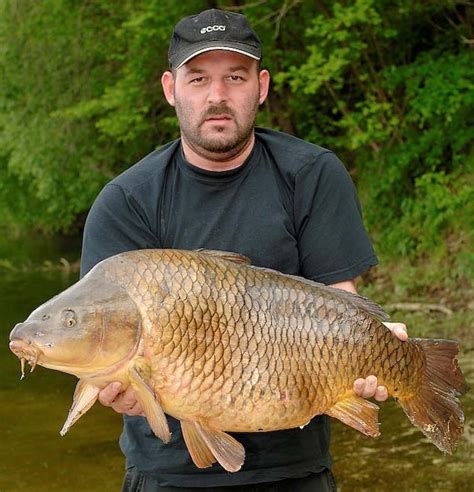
(69, 318)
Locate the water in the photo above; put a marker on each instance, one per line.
(402, 459)
(35, 458)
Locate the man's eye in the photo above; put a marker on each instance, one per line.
(196, 80)
(236, 78)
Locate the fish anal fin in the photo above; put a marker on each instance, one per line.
(357, 412)
(197, 447)
(227, 450)
(151, 406)
(85, 395)
(225, 255)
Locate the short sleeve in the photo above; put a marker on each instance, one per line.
(116, 223)
(333, 243)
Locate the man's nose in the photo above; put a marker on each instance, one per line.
(217, 92)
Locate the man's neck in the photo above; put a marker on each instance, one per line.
(217, 162)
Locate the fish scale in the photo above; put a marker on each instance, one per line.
(227, 347)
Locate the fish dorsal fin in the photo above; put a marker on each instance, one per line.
(197, 447)
(224, 255)
(357, 412)
(361, 302)
(85, 395)
(152, 408)
(227, 450)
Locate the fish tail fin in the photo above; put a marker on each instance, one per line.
(434, 408)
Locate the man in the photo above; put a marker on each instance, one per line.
(285, 203)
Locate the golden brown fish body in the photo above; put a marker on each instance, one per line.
(224, 346)
(248, 349)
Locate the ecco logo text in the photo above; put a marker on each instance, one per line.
(212, 28)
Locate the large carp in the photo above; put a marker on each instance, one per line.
(224, 346)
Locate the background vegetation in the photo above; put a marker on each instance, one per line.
(387, 84)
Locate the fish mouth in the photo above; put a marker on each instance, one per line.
(26, 353)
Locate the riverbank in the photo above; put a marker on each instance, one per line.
(435, 299)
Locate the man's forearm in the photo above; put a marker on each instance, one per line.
(348, 285)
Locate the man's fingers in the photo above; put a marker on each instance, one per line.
(365, 387)
(109, 393)
(399, 330)
(370, 386)
(381, 393)
(136, 410)
(125, 401)
(121, 402)
(359, 385)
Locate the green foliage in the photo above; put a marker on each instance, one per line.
(47, 62)
(387, 84)
(399, 78)
(80, 99)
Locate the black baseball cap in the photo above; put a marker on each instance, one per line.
(212, 29)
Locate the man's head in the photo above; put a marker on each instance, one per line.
(215, 84)
(212, 29)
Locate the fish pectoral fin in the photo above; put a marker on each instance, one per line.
(85, 395)
(197, 447)
(151, 406)
(226, 450)
(357, 412)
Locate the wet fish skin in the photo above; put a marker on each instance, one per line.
(234, 339)
(224, 346)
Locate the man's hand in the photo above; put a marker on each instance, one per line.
(399, 330)
(368, 387)
(122, 402)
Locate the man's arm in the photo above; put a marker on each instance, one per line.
(368, 387)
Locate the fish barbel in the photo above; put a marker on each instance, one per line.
(224, 346)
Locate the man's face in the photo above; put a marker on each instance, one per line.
(216, 96)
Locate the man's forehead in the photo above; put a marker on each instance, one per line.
(226, 59)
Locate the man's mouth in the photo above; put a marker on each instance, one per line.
(219, 118)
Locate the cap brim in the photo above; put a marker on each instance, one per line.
(199, 51)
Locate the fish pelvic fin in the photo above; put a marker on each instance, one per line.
(150, 404)
(434, 408)
(357, 412)
(85, 395)
(207, 445)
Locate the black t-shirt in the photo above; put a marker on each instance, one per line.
(292, 207)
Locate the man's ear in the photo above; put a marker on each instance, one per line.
(167, 82)
(264, 78)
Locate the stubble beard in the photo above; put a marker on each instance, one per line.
(219, 147)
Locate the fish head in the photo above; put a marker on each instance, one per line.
(92, 326)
